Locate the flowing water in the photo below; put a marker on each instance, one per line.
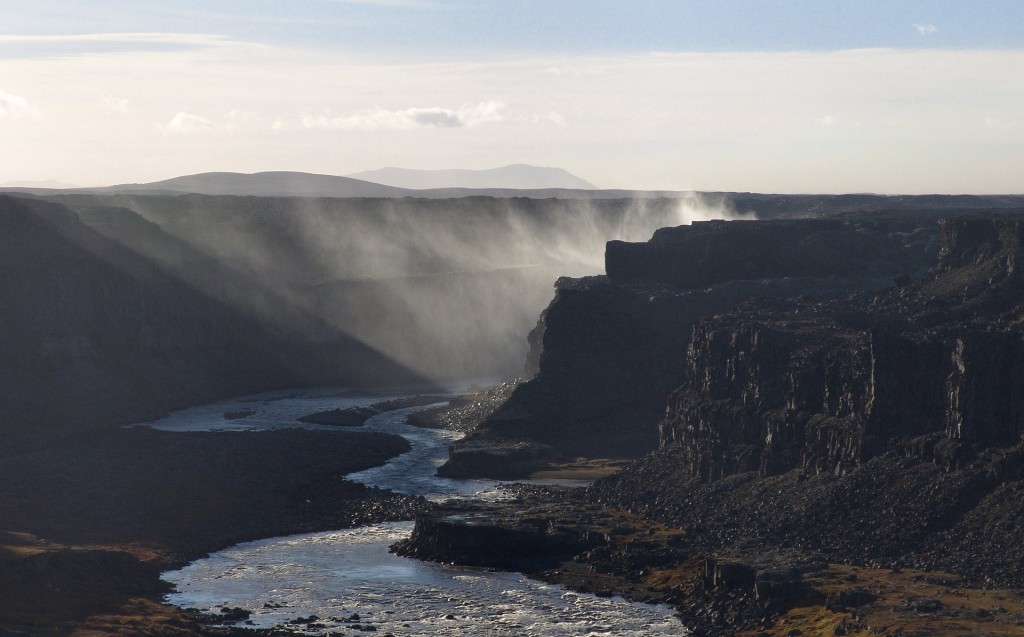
(349, 580)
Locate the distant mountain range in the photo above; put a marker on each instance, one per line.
(265, 184)
(298, 184)
(517, 176)
(510, 181)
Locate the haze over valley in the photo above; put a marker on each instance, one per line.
(448, 288)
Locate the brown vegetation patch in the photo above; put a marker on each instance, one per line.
(908, 603)
(580, 469)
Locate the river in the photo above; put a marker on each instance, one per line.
(349, 580)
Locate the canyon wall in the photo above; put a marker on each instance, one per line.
(884, 427)
(608, 351)
(823, 387)
(878, 425)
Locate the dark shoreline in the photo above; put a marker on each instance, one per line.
(88, 528)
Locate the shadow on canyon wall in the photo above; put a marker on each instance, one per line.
(93, 334)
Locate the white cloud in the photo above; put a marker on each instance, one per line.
(1000, 123)
(926, 29)
(117, 104)
(86, 45)
(235, 119)
(194, 39)
(186, 123)
(839, 123)
(465, 116)
(14, 106)
(555, 118)
(232, 121)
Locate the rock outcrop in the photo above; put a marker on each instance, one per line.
(708, 253)
(496, 539)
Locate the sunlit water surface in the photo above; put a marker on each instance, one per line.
(333, 575)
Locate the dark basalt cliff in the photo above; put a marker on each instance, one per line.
(608, 350)
(827, 386)
(883, 427)
(93, 334)
(717, 251)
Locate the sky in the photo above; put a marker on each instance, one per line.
(893, 96)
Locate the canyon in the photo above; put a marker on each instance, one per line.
(826, 392)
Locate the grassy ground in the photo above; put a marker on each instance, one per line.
(909, 603)
(580, 469)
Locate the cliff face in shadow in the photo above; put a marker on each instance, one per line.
(824, 387)
(875, 427)
(609, 350)
(91, 333)
(884, 427)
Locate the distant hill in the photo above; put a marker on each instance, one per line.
(265, 184)
(516, 176)
(297, 184)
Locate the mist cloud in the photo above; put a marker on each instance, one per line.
(447, 288)
(465, 116)
(926, 29)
